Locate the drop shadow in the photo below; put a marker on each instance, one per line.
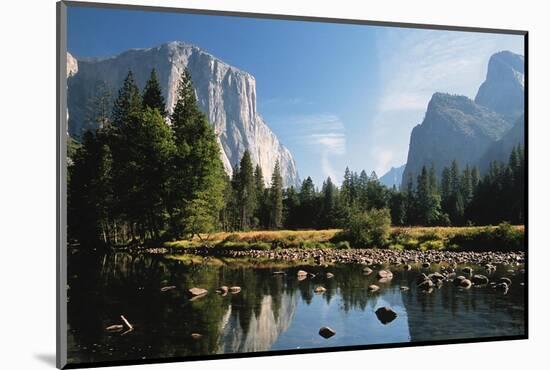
(47, 358)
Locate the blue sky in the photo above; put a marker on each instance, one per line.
(336, 95)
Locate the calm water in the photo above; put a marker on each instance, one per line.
(272, 312)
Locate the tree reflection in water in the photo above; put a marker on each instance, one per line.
(270, 312)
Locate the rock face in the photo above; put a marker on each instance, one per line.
(503, 89)
(472, 132)
(455, 127)
(500, 150)
(226, 94)
(393, 177)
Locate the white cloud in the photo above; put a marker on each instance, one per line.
(324, 135)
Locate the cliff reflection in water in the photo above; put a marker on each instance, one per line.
(272, 312)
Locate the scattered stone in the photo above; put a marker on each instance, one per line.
(373, 288)
(384, 274)
(505, 280)
(458, 280)
(235, 289)
(326, 332)
(167, 288)
(385, 315)
(436, 276)
(222, 290)
(196, 336)
(465, 283)
(320, 290)
(197, 292)
(301, 273)
(480, 280)
(426, 284)
(503, 287)
(329, 275)
(367, 271)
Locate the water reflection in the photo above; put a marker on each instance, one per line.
(272, 312)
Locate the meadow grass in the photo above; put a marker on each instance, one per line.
(502, 237)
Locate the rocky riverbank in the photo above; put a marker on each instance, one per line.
(361, 256)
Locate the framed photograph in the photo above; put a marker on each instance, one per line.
(235, 184)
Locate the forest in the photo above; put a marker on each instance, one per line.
(146, 175)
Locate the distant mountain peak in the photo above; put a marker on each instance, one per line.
(503, 88)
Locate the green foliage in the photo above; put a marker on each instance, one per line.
(152, 95)
(343, 245)
(369, 228)
(501, 238)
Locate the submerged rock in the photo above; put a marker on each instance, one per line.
(367, 271)
(222, 290)
(373, 288)
(326, 332)
(465, 283)
(480, 280)
(196, 292)
(301, 273)
(320, 289)
(384, 274)
(385, 315)
(329, 275)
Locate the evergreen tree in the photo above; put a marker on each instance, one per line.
(246, 192)
(152, 95)
(128, 103)
(276, 198)
(197, 171)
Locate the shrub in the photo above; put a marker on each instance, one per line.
(343, 245)
(432, 245)
(370, 228)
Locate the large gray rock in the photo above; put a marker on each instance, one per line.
(503, 89)
(455, 127)
(226, 94)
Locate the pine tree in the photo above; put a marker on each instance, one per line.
(276, 198)
(197, 171)
(128, 103)
(246, 191)
(152, 94)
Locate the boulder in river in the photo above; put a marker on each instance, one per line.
(329, 275)
(222, 290)
(373, 288)
(196, 336)
(235, 289)
(301, 273)
(458, 280)
(385, 315)
(320, 290)
(480, 279)
(505, 280)
(465, 283)
(326, 332)
(384, 274)
(367, 271)
(196, 292)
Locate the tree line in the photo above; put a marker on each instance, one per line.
(145, 174)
